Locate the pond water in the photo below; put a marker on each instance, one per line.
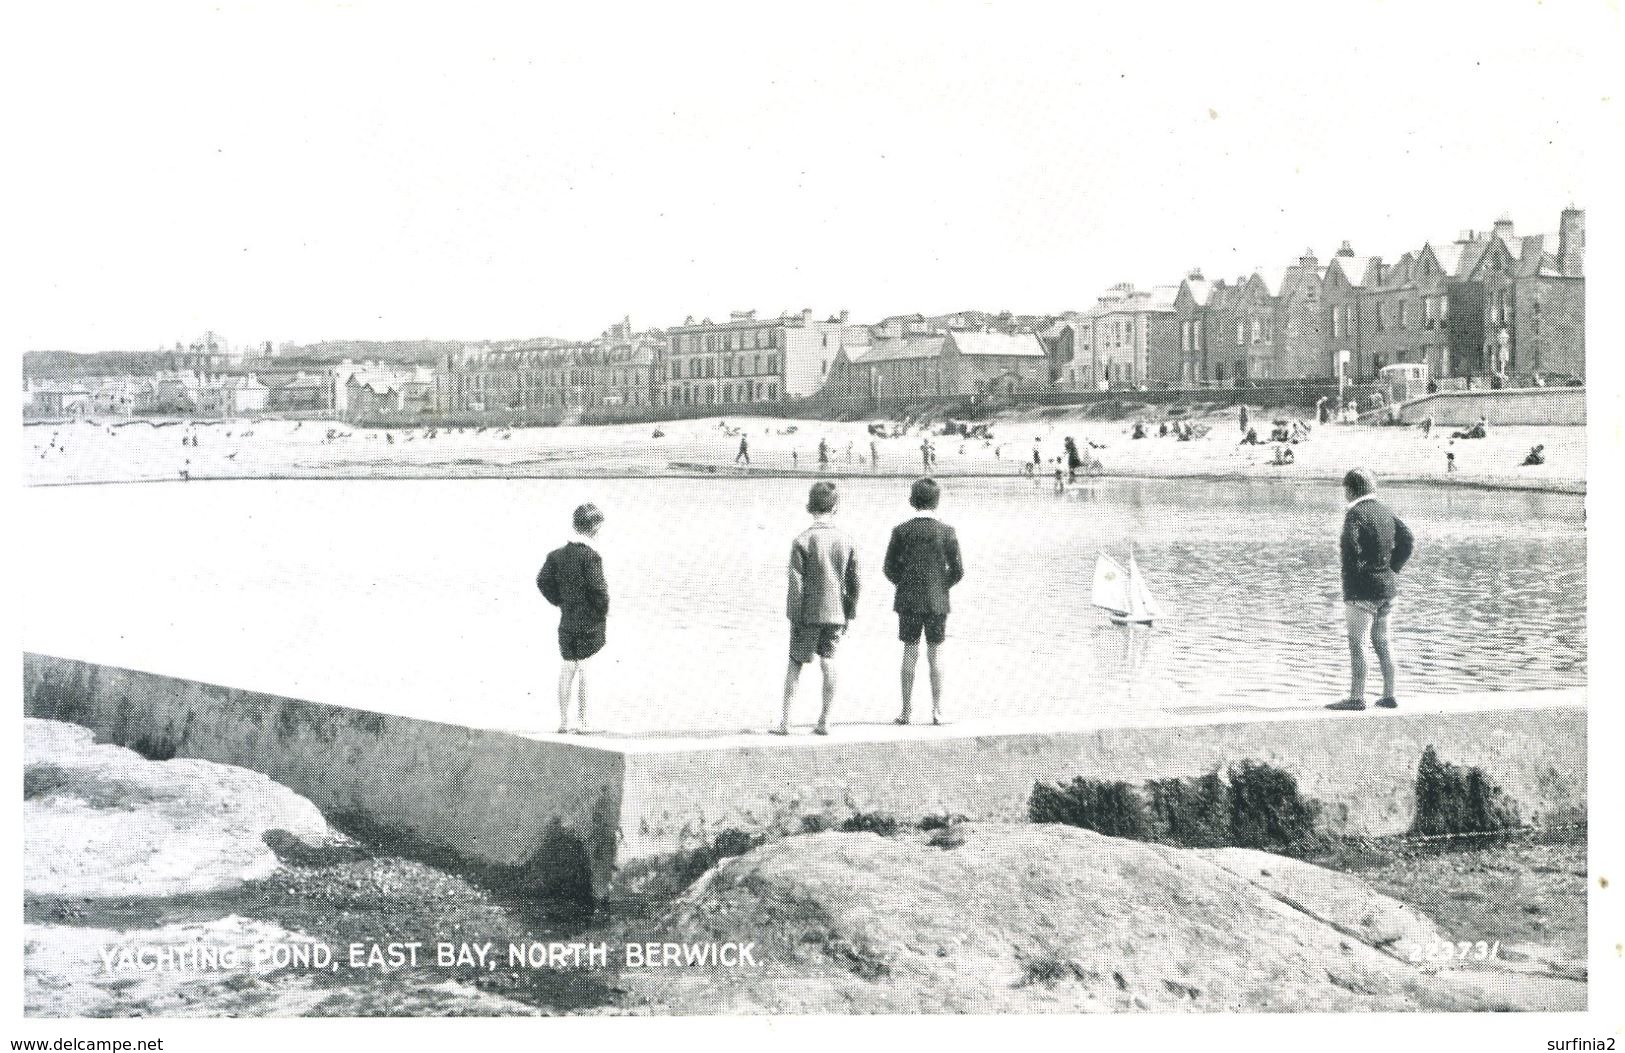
(419, 596)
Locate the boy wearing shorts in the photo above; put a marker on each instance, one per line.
(1374, 546)
(572, 579)
(923, 561)
(821, 600)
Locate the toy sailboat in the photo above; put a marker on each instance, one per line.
(1123, 594)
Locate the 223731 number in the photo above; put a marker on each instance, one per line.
(1442, 951)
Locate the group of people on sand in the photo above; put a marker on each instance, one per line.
(824, 582)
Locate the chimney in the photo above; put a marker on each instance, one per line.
(1503, 227)
(844, 315)
(1345, 249)
(806, 316)
(1308, 259)
(1571, 242)
(1195, 275)
(1465, 236)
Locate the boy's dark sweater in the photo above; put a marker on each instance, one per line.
(572, 579)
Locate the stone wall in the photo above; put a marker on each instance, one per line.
(1507, 406)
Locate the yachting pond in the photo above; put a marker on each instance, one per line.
(418, 597)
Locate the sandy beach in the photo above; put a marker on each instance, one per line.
(107, 451)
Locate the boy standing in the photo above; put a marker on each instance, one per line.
(821, 600)
(572, 579)
(922, 560)
(1375, 546)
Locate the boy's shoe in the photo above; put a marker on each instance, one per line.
(564, 729)
(1387, 703)
(785, 730)
(904, 719)
(583, 729)
(820, 730)
(1351, 704)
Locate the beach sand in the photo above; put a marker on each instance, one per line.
(112, 451)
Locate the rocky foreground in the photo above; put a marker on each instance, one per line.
(122, 852)
(1011, 918)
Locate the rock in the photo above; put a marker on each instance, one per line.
(1041, 918)
(101, 821)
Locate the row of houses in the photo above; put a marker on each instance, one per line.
(1489, 304)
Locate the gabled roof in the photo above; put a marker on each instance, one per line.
(1200, 290)
(974, 344)
(1351, 268)
(898, 349)
(1295, 276)
(1447, 255)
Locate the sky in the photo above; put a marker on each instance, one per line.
(298, 172)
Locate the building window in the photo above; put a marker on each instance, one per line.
(1241, 332)
(1404, 315)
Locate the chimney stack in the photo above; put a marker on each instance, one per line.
(1571, 242)
(1345, 249)
(1503, 227)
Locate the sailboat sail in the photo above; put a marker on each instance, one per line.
(1111, 588)
(1141, 602)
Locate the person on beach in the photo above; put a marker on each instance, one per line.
(874, 456)
(925, 454)
(923, 561)
(1427, 426)
(822, 600)
(1060, 477)
(1449, 461)
(572, 579)
(795, 459)
(823, 455)
(1536, 456)
(1244, 419)
(1074, 460)
(744, 451)
(1374, 547)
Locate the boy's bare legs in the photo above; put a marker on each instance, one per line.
(567, 675)
(1357, 624)
(911, 658)
(1385, 660)
(935, 668)
(582, 726)
(828, 665)
(792, 678)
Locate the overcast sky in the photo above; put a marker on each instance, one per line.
(301, 172)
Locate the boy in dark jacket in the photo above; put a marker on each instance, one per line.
(1375, 546)
(572, 580)
(923, 561)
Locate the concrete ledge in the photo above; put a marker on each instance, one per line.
(628, 809)
(1503, 406)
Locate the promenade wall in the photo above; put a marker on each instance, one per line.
(1537, 406)
(614, 814)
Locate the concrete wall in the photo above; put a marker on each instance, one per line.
(625, 813)
(1507, 406)
(544, 809)
(1363, 769)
